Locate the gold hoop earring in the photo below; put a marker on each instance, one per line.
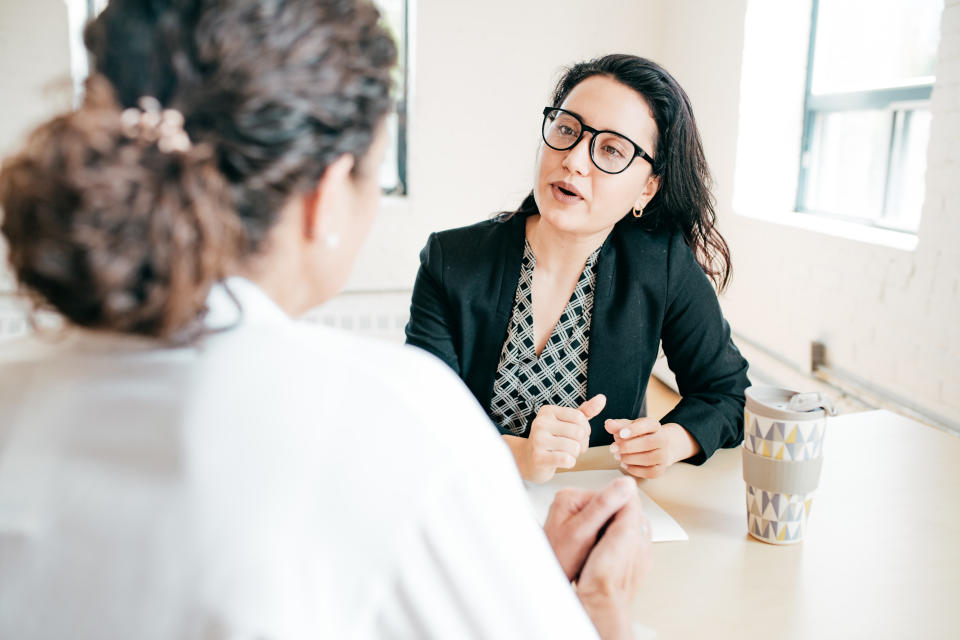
(637, 212)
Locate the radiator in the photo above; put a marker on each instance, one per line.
(377, 315)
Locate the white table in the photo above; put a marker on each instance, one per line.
(881, 558)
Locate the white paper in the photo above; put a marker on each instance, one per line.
(663, 528)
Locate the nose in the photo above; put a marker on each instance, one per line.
(577, 158)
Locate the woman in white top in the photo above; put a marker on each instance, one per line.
(185, 460)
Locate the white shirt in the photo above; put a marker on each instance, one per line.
(276, 480)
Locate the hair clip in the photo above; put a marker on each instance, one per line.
(150, 123)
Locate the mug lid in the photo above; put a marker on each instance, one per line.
(785, 404)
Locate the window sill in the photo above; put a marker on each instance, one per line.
(899, 240)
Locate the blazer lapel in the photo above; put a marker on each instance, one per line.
(492, 330)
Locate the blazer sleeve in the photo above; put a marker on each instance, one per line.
(431, 322)
(711, 373)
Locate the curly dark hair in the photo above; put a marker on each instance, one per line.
(684, 201)
(116, 234)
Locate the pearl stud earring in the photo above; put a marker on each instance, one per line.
(331, 240)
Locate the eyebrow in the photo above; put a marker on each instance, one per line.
(584, 120)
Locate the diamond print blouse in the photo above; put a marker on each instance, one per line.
(524, 382)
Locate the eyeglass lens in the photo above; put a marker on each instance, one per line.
(609, 151)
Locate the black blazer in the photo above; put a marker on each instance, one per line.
(649, 289)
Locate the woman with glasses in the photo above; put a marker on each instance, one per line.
(186, 461)
(553, 314)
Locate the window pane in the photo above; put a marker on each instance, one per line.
(847, 163)
(905, 195)
(869, 44)
(390, 170)
(391, 178)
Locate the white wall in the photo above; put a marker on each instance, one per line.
(35, 83)
(34, 66)
(500, 58)
(887, 316)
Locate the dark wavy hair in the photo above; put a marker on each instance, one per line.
(684, 201)
(115, 233)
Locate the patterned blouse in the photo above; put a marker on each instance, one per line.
(524, 382)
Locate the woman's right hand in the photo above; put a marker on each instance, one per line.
(614, 570)
(558, 435)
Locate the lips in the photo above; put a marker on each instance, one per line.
(567, 188)
(565, 192)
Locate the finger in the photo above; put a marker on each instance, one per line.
(622, 541)
(568, 502)
(632, 428)
(592, 407)
(641, 444)
(558, 460)
(566, 414)
(563, 428)
(647, 473)
(627, 522)
(614, 426)
(647, 459)
(559, 526)
(641, 568)
(605, 504)
(560, 444)
(646, 529)
(549, 461)
(625, 428)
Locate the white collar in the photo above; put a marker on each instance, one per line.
(236, 301)
(232, 302)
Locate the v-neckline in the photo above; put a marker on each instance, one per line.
(554, 340)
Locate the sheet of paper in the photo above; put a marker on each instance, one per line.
(663, 528)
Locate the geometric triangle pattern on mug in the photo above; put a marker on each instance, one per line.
(776, 532)
(777, 517)
(783, 440)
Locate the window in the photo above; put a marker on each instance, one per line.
(393, 173)
(870, 73)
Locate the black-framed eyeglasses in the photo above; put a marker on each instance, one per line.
(611, 152)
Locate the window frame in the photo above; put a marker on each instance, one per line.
(401, 188)
(901, 101)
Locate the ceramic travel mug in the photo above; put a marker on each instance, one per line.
(782, 454)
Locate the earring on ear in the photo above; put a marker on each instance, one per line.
(331, 240)
(637, 212)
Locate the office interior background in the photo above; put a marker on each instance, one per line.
(836, 167)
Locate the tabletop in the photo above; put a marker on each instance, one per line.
(881, 558)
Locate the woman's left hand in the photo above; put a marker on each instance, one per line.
(645, 448)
